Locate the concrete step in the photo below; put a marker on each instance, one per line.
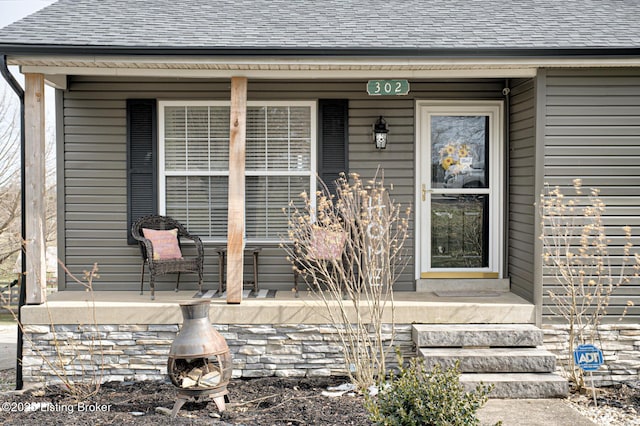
(483, 335)
(519, 385)
(491, 360)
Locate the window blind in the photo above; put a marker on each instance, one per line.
(279, 165)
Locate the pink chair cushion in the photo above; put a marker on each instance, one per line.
(326, 244)
(165, 243)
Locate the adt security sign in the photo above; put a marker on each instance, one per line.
(588, 357)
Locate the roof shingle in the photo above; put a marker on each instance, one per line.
(332, 24)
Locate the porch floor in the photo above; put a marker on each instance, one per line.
(129, 307)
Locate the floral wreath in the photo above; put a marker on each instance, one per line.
(450, 155)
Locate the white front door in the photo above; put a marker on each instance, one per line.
(460, 189)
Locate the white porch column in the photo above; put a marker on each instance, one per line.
(34, 214)
(236, 225)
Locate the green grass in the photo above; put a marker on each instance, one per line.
(6, 318)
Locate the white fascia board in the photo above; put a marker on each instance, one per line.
(286, 74)
(299, 68)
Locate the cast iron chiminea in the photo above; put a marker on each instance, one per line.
(199, 359)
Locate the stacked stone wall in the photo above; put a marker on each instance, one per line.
(620, 345)
(126, 352)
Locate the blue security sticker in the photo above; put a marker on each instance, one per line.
(588, 357)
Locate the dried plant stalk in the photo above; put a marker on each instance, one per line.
(78, 366)
(350, 251)
(576, 250)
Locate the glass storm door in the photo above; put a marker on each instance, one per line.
(459, 185)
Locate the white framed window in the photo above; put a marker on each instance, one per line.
(194, 164)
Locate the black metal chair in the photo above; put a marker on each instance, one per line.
(166, 266)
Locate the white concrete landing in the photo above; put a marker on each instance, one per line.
(129, 307)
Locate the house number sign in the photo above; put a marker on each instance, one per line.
(387, 87)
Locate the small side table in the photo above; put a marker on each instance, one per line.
(222, 265)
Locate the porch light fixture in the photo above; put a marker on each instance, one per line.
(380, 132)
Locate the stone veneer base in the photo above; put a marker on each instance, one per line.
(620, 344)
(139, 352)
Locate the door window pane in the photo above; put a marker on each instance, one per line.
(459, 231)
(459, 151)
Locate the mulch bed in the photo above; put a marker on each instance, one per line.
(263, 401)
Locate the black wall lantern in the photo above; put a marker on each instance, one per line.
(380, 132)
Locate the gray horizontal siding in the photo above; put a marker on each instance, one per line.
(397, 158)
(520, 252)
(95, 160)
(592, 132)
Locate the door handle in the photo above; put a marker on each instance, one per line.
(424, 192)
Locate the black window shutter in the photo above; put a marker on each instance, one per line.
(142, 187)
(333, 145)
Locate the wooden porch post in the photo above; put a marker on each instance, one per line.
(36, 278)
(236, 231)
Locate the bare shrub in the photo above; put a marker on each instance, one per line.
(78, 366)
(350, 251)
(576, 249)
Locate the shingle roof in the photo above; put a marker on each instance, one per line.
(331, 24)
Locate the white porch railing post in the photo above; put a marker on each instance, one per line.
(236, 224)
(35, 182)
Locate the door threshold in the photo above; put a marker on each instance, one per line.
(459, 275)
(466, 285)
